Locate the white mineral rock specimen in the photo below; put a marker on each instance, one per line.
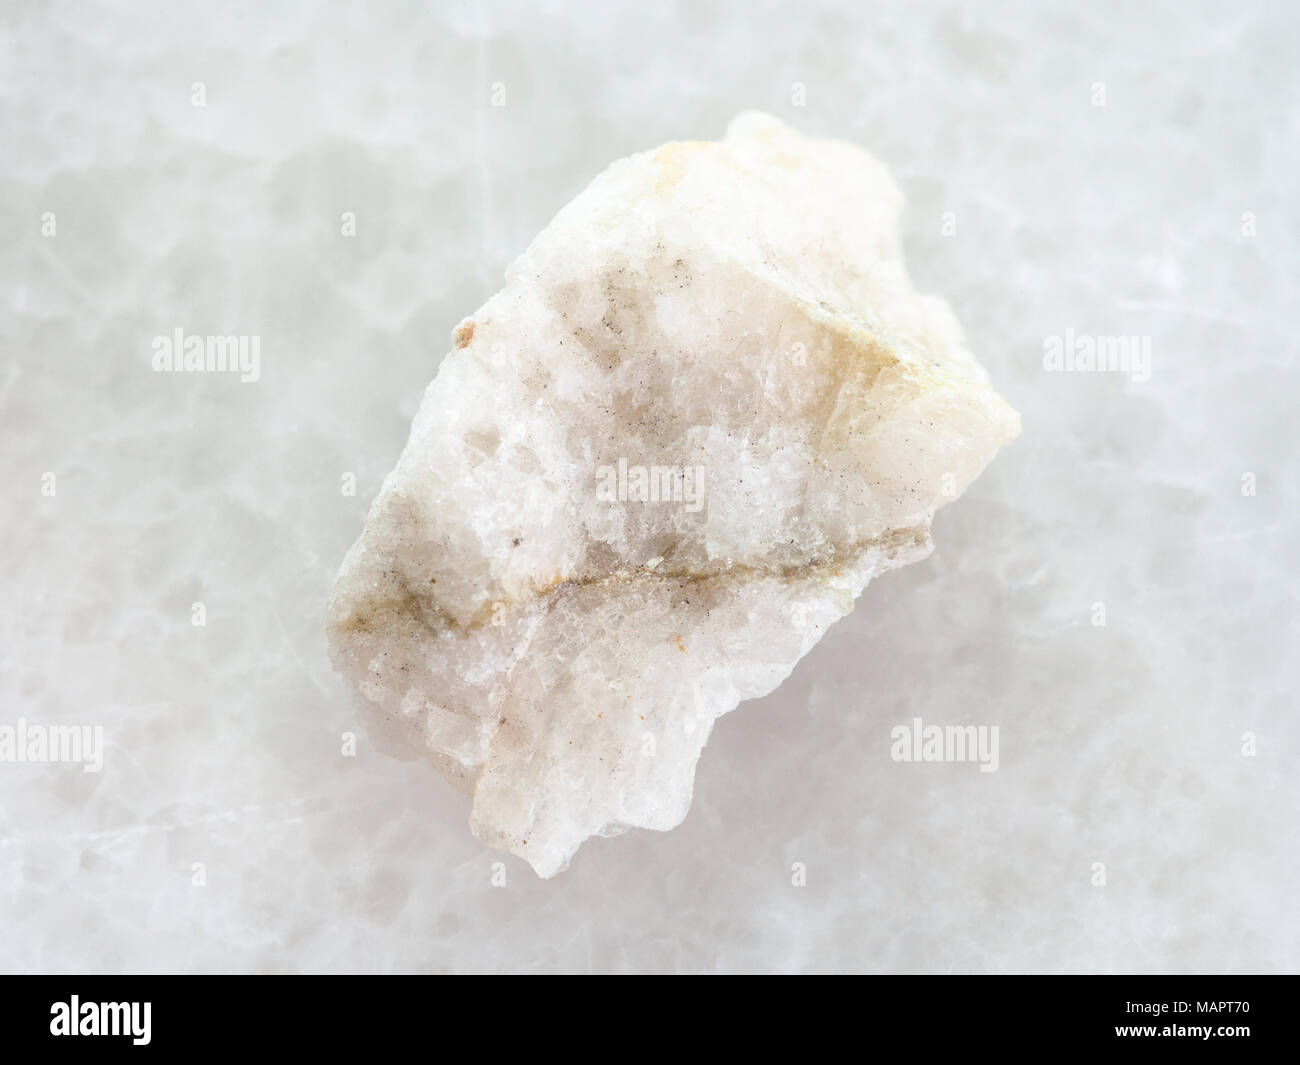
(707, 408)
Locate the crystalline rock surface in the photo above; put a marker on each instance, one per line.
(706, 409)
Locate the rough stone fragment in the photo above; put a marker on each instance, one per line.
(707, 408)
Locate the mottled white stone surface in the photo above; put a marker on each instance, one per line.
(1036, 211)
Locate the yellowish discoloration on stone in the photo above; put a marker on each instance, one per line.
(672, 160)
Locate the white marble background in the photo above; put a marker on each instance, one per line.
(1121, 744)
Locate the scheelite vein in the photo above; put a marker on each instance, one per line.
(706, 409)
